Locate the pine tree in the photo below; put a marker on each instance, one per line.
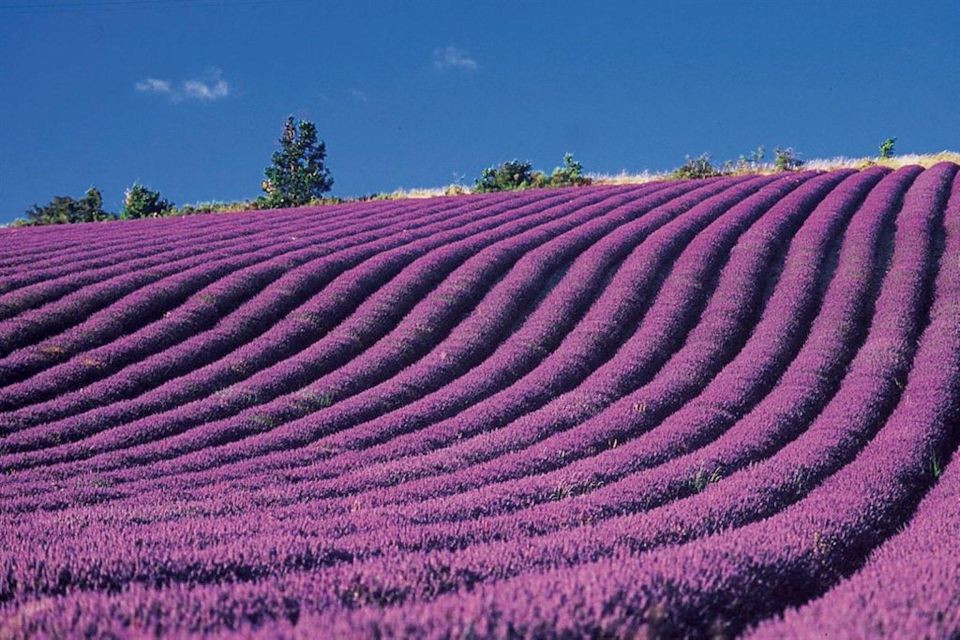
(297, 173)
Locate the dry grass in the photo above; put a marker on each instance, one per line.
(624, 177)
(821, 164)
(433, 192)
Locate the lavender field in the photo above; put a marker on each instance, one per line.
(710, 408)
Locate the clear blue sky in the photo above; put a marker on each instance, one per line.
(188, 96)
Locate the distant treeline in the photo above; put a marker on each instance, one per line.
(297, 176)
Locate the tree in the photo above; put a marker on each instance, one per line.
(91, 207)
(141, 202)
(886, 148)
(509, 176)
(66, 210)
(570, 174)
(297, 173)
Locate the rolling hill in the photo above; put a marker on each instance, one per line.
(716, 407)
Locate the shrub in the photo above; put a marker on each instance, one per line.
(786, 159)
(509, 176)
(693, 168)
(749, 163)
(886, 148)
(298, 173)
(570, 174)
(65, 210)
(514, 175)
(141, 202)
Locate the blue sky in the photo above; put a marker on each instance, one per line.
(188, 96)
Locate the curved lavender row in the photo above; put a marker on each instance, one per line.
(796, 398)
(284, 263)
(687, 364)
(473, 570)
(31, 245)
(910, 588)
(774, 223)
(194, 545)
(89, 266)
(48, 243)
(538, 336)
(411, 286)
(68, 267)
(197, 294)
(469, 341)
(110, 249)
(729, 394)
(33, 317)
(232, 330)
(40, 322)
(850, 285)
(706, 211)
(671, 314)
(737, 576)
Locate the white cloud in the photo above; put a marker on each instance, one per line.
(452, 57)
(153, 85)
(357, 94)
(208, 88)
(213, 87)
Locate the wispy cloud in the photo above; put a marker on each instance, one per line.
(207, 88)
(213, 87)
(451, 57)
(153, 85)
(359, 95)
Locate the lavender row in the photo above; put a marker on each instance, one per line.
(694, 258)
(188, 293)
(432, 265)
(727, 581)
(109, 249)
(664, 242)
(762, 231)
(350, 252)
(618, 291)
(62, 313)
(388, 538)
(538, 335)
(295, 258)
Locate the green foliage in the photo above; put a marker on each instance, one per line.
(509, 176)
(570, 174)
(66, 210)
(886, 148)
(297, 173)
(141, 202)
(515, 175)
(693, 168)
(702, 478)
(936, 468)
(785, 159)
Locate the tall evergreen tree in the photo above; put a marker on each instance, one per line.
(297, 173)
